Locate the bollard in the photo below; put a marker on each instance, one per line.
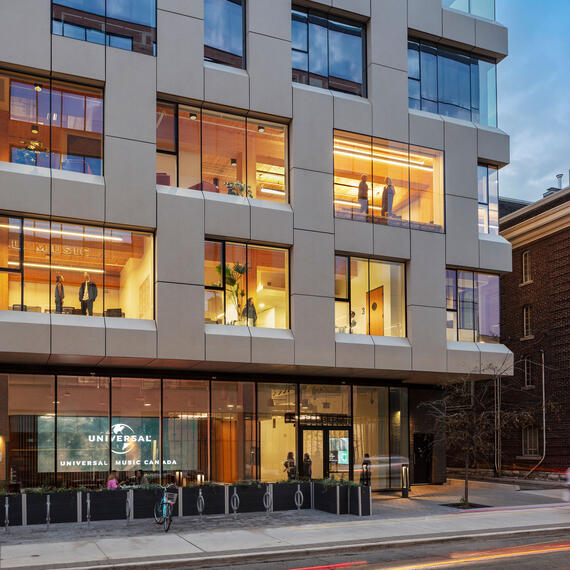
(299, 497)
(234, 501)
(48, 511)
(267, 500)
(6, 513)
(200, 504)
(405, 480)
(88, 514)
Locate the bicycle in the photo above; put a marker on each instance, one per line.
(163, 508)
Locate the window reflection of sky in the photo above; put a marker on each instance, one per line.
(141, 12)
(223, 25)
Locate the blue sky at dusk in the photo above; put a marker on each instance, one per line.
(534, 93)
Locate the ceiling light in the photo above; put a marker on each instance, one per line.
(272, 191)
(61, 232)
(147, 404)
(35, 129)
(37, 87)
(193, 116)
(260, 129)
(233, 161)
(59, 267)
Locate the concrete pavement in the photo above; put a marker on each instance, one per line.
(281, 534)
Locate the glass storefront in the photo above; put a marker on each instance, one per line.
(71, 431)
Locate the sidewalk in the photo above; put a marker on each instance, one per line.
(249, 537)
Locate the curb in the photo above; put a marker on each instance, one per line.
(197, 561)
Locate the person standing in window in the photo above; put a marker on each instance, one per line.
(363, 197)
(290, 467)
(388, 198)
(250, 313)
(307, 466)
(59, 294)
(87, 294)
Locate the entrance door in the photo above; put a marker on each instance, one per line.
(376, 304)
(423, 448)
(329, 451)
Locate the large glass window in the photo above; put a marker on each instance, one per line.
(75, 269)
(388, 183)
(472, 301)
(277, 435)
(328, 51)
(233, 431)
(224, 32)
(124, 24)
(488, 191)
(481, 8)
(220, 152)
(369, 297)
(51, 124)
(246, 285)
(451, 82)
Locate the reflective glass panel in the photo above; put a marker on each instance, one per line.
(37, 239)
(223, 32)
(488, 307)
(399, 436)
(359, 296)
(189, 148)
(386, 299)
(466, 306)
(236, 284)
(345, 57)
(325, 399)
(318, 51)
(493, 200)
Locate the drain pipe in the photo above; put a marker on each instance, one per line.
(543, 420)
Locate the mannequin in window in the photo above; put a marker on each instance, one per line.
(388, 198)
(59, 294)
(87, 294)
(363, 196)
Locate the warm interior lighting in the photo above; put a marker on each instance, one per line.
(384, 160)
(354, 204)
(272, 191)
(233, 161)
(37, 87)
(193, 116)
(220, 316)
(260, 129)
(35, 129)
(62, 233)
(381, 154)
(59, 267)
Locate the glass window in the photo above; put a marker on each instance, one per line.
(527, 328)
(135, 426)
(527, 371)
(399, 435)
(30, 437)
(277, 433)
(452, 82)
(36, 266)
(526, 265)
(82, 431)
(376, 291)
(233, 432)
(465, 306)
(253, 289)
(488, 192)
(451, 303)
(325, 399)
(10, 265)
(224, 32)
(55, 125)
(481, 8)
(328, 52)
(488, 307)
(129, 274)
(530, 446)
(166, 145)
(185, 427)
(125, 24)
(189, 149)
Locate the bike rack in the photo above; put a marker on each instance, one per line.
(200, 504)
(88, 514)
(48, 511)
(6, 513)
(234, 502)
(299, 498)
(129, 506)
(268, 499)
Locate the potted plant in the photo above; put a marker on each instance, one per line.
(234, 280)
(238, 188)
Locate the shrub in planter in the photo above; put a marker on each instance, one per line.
(214, 499)
(14, 510)
(284, 495)
(63, 506)
(105, 505)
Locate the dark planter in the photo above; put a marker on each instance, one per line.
(63, 507)
(144, 501)
(250, 498)
(14, 510)
(106, 505)
(284, 496)
(363, 509)
(326, 498)
(214, 500)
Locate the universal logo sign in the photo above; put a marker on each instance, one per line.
(123, 436)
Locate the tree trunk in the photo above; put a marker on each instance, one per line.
(466, 494)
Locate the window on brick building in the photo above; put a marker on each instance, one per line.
(530, 441)
(527, 369)
(526, 275)
(527, 311)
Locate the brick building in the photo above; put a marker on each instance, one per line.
(535, 321)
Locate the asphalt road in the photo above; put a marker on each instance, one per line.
(541, 551)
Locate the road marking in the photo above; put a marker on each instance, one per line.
(332, 566)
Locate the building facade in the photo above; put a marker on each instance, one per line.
(235, 229)
(535, 308)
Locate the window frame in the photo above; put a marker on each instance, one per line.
(530, 439)
(330, 19)
(243, 41)
(526, 267)
(527, 372)
(487, 202)
(527, 321)
(222, 288)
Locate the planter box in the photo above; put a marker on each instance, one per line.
(144, 501)
(326, 498)
(342, 499)
(362, 508)
(284, 496)
(214, 500)
(105, 505)
(250, 498)
(63, 507)
(14, 512)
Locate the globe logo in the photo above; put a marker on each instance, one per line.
(121, 436)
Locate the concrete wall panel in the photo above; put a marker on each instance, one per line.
(392, 353)
(458, 27)
(272, 346)
(353, 237)
(495, 254)
(77, 335)
(460, 158)
(130, 338)
(192, 8)
(391, 242)
(425, 16)
(426, 270)
(352, 113)
(226, 85)
(493, 145)
(312, 264)
(463, 358)
(271, 222)
(226, 216)
(272, 19)
(388, 36)
(312, 200)
(426, 129)
(78, 58)
(354, 351)
(426, 331)
(225, 343)
(462, 232)
(25, 188)
(492, 38)
(79, 196)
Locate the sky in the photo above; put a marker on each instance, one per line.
(534, 95)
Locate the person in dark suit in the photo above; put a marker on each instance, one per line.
(87, 294)
(59, 294)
